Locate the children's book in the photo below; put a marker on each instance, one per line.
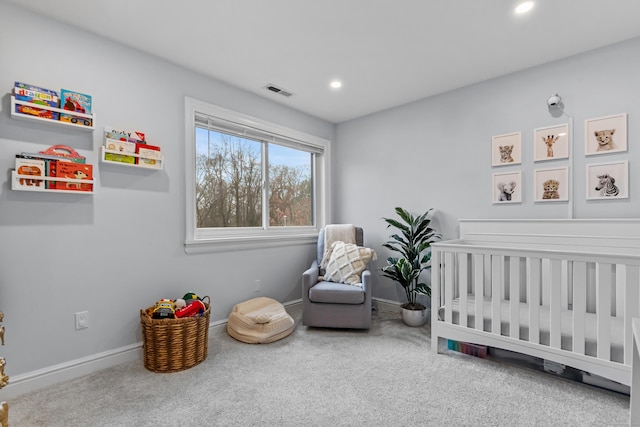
(77, 102)
(36, 95)
(27, 169)
(74, 171)
(123, 141)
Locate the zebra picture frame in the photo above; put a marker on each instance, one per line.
(608, 181)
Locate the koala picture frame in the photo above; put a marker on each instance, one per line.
(605, 135)
(506, 187)
(506, 150)
(608, 181)
(551, 143)
(551, 185)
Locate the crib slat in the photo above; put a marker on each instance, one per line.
(478, 271)
(545, 264)
(463, 286)
(514, 297)
(618, 290)
(533, 298)
(579, 305)
(631, 297)
(603, 310)
(566, 270)
(497, 284)
(449, 283)
(555, 294)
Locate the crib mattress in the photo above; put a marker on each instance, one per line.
(590, 327)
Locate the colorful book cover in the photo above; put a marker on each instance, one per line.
(77, 102)
(112, 157)
(36, 95)
(150, 155)
(134, 136)
(120, 146)
(123, 141)
(27, 169)
(74, 171)
(114, 134)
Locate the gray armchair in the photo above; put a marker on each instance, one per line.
(335, 305)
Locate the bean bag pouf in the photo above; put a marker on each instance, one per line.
(259, 320)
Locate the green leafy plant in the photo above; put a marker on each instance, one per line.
(412, 242)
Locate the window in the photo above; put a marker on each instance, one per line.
(250, 182)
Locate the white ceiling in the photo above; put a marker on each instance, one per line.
(386, 52)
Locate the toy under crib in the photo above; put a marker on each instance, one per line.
(561, 290)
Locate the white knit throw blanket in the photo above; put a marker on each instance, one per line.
(336, 233)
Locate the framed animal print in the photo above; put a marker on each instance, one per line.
(551, 143)
(608, 181)
(506, 187)
(506, 149)
(551, 185)
(605, 134)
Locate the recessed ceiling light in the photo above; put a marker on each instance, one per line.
(336, 84)
(524, 7)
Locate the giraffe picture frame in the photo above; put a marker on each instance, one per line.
(551, 143)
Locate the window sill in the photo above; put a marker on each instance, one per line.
(236, 243)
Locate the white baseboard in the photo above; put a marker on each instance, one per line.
(35, 380)
(388, 305)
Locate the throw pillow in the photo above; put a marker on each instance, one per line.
(347, 262)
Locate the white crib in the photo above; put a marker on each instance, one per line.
(561, 290)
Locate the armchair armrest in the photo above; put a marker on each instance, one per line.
(310, 278)
(367, 281)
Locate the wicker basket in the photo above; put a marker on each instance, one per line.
(172, 345)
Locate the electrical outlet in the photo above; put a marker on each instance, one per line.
(82, 320)
(257, 288)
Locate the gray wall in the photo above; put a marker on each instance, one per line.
(121, 249)
(435, 153)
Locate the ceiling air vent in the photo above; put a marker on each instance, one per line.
(278, 90)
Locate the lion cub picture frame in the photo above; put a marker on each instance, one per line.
(605, 135)
(551, 185)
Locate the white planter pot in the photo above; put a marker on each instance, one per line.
(415, 317)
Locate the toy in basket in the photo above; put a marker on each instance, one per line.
(178, 343)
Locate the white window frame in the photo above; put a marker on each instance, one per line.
(224, 239)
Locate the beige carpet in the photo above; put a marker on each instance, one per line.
(319, 377)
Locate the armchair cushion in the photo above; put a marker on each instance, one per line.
(346, 263)
(336, 293)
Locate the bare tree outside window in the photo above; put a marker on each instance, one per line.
(228, 180)
(290, 202)
(229, 177)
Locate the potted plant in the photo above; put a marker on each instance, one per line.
(412, 243)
